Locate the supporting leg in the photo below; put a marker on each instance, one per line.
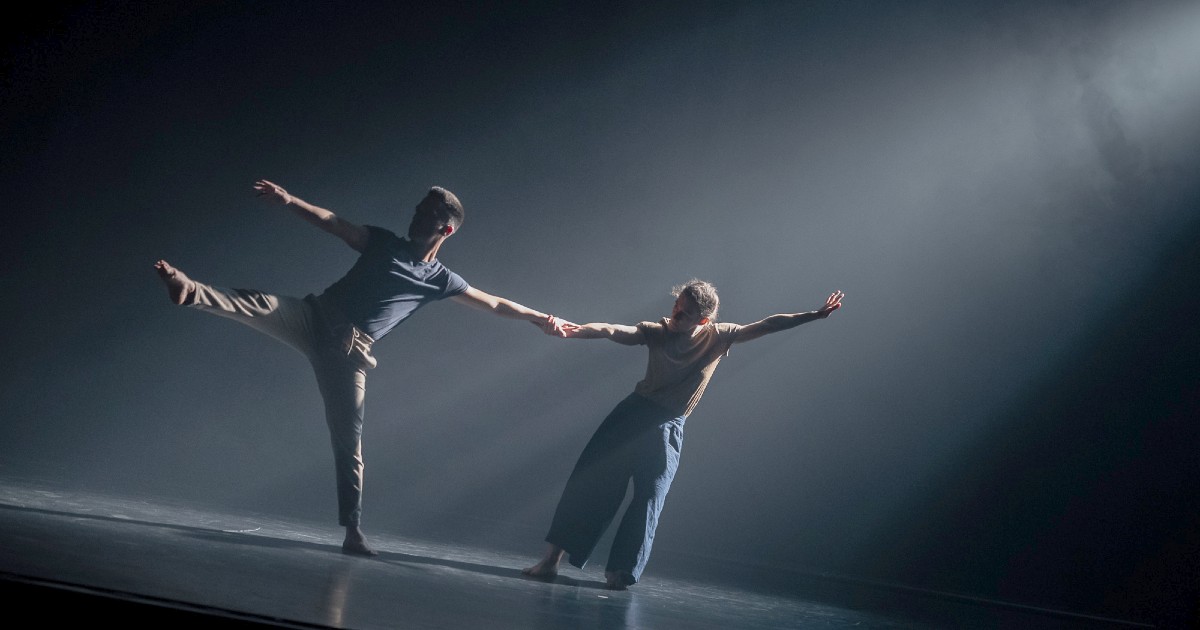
(343, 388)
(547, 567)
(593, 492)
(658, 462)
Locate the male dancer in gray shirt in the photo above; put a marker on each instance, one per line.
(392, 278)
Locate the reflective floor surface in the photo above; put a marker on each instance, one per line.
(147, 563)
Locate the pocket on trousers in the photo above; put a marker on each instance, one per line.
(356, 346)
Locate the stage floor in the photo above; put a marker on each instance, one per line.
(67, 556)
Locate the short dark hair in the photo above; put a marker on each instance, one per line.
(449, 203)
(703, 294)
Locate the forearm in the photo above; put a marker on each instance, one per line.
(784, 321)
(354, 235)
(595, 331)
(776, 323)
(318, 216)
(628, 335)
(513, 310)
(484, 301)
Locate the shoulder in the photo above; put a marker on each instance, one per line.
(725, 334)
(442, 271)
(381, 236)
(455, 284)
(652, 332)
(725, 328)
(376, 230)
(648, 326)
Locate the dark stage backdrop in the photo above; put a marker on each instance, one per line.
(1006, 192)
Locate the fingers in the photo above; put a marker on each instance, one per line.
(265, 187)
(553, 326)
(833, 303)
(562, 328)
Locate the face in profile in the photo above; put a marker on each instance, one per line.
(428, 220)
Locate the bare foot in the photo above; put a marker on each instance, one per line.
(358, 549)
(355, 543)
(179, 286)
(545, 569)
(617, 580)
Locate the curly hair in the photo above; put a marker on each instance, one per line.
(703, 294)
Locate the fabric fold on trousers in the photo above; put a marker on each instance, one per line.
(341, 375)
(638, 441)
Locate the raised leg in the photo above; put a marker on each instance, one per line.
(179, 287)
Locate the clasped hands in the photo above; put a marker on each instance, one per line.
(556, 327)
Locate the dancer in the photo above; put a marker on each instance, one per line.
(392, 278)
(642, 437)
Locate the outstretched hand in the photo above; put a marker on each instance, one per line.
(272, 191)
(832, 303)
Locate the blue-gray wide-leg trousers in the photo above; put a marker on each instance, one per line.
(638, 441)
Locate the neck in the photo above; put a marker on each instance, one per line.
(695, 330)
(427, 250)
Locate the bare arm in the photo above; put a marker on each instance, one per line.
(776, 323)
(507, 308)
(354, 235)
(625, 335)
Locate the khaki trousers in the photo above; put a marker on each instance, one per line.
(340, 356)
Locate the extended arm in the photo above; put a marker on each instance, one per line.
(625, 335)
(354, 235)
(507, 308)
(776, 323)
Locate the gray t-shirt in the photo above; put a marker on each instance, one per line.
(388, 283)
